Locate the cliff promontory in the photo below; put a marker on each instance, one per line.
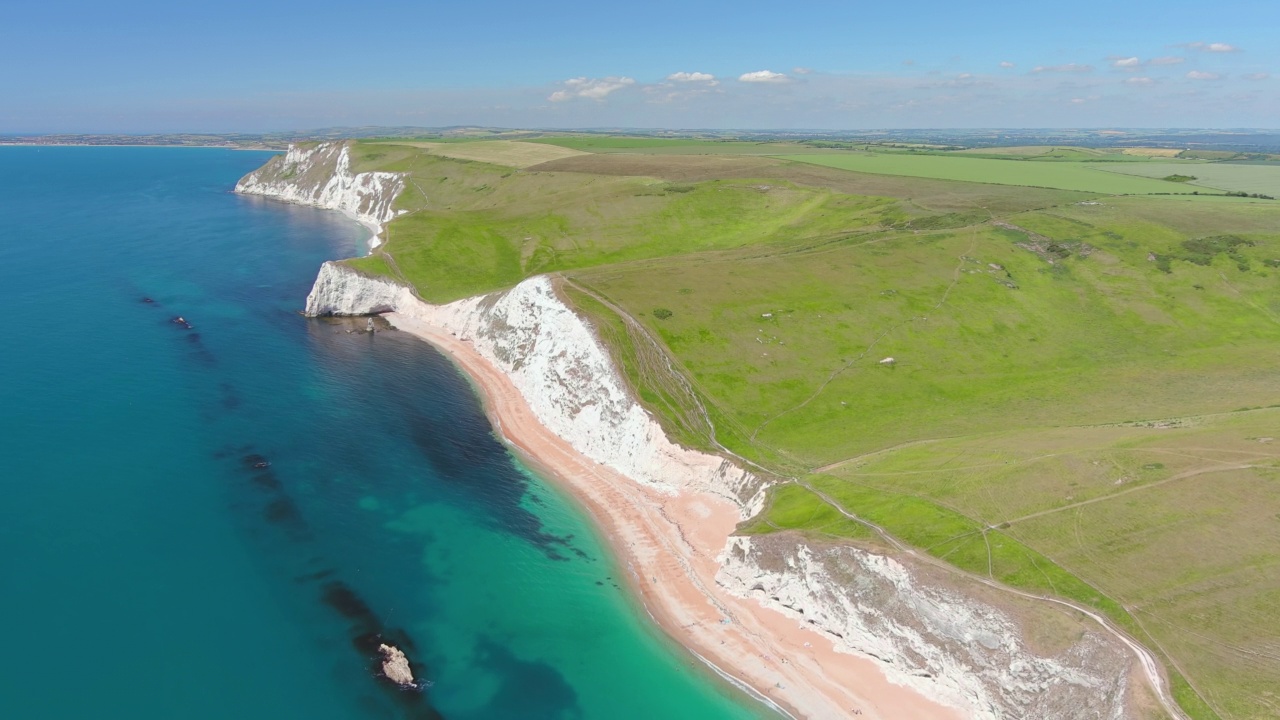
(320, 176)
(989, 653)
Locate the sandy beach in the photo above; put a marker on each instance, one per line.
(670, 545)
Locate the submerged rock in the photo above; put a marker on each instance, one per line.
(395, 665)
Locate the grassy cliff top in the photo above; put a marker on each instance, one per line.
(1082, 397)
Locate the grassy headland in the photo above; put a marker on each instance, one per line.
(1080, 401)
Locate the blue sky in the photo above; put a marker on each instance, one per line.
(239, 66)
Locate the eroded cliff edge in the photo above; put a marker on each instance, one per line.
(948, 639)
(992, 655)
(320, 176)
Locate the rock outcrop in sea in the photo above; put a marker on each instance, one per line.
(395, 665)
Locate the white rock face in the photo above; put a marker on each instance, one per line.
(955, 648)
(567, 377)
(395, 665)
(339, 290)
(320, 176)
(944, 644)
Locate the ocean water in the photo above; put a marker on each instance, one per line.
(149, 570)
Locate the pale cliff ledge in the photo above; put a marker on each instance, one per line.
(967, 646)
(320, 176)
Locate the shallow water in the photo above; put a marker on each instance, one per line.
(150, 571)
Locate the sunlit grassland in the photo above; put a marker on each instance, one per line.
(921, 194)
(608, 144)
(794, 507)
(508, 153)
(784, 346)
(1171, 527)
(1241, 177)
(473, 227)
(788, 345)
(1062, 175)
(1015, 434)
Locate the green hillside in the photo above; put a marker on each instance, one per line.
(1081, 399)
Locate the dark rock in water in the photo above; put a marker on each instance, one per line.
(283, 511)
(149, 301)
(342, 598)
(230, 399)
(267, 481)
(254, 460)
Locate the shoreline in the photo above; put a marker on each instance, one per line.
(670, 545)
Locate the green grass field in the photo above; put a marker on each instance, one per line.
(1049, 346)
(1172, 529)
(1087, 177)
(1264, 179)
(675, 146)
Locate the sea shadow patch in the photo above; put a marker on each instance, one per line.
(366, 631)
(529, 690)
(462, 450)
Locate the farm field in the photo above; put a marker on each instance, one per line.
(1068, 406)
(676, 146)
(508, 153)
(1055, 153)
(1061, 175)
(1240, 177)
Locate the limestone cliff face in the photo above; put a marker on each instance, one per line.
(930, 636)
(320, 176)
(569, 381)
(339, 290)
(564, 373)
(948, 643)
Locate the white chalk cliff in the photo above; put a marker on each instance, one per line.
(930, 636)
(962, 651)
(927, 631)
(320, 176)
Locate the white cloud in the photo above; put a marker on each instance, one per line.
(763, 76)
(1068, 68)
(1006, 64)
(1139, 81)
(1129, 63)
(801, 70)
(1257, 76)
(1197, 75)
(690, 77)
(590, 88)
(1211, 47)
(1167, 60)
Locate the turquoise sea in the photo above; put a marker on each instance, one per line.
(149, 570)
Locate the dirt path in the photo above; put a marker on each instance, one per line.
(1150, 666)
